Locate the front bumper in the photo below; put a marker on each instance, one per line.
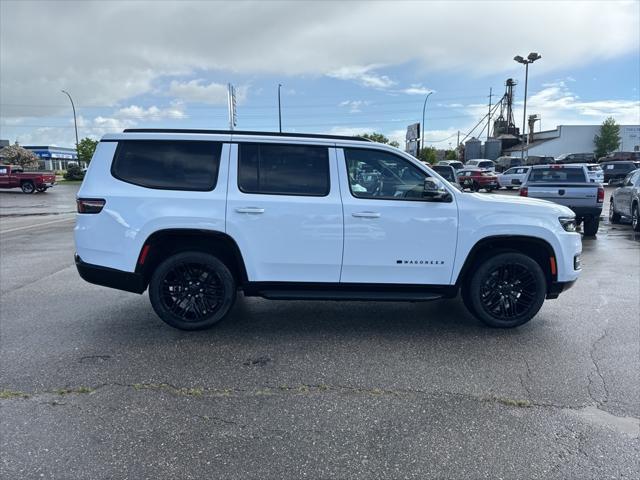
(110, 277)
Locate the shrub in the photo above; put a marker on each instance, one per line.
(74, 172)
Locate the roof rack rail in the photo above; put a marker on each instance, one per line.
(240, 132)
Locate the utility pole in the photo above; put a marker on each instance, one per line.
(422, 134)
(489, 115)
(279, 109)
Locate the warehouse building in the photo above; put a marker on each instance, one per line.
(574, 139)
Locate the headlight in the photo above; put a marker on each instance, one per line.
(568, 223)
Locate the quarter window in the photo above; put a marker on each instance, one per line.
(168, 164)
(283, 169)
(382, 175)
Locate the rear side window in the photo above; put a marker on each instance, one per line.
(283, 169)
(168, 164)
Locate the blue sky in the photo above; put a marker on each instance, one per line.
(346, 67)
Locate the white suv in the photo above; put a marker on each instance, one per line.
(196, 215)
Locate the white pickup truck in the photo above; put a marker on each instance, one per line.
(568, 185)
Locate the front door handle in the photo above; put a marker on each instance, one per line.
(366, 214)
(250, 210)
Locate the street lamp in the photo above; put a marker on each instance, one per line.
(422, 133)
(279, 109)
(75, 122)
(532, 57)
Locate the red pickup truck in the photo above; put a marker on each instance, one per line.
(12, 176)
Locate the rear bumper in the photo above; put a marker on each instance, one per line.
(110, 277)
(557, 288)
(587, 212)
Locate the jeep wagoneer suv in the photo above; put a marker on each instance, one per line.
(195, 215)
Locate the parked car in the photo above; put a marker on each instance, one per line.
(449, 174)
(567, 185)
(596, 174)
(617, 170)
(505, 163)
(476, 179)
(539, 160)
(483, 163)
(621, 157)
(12, 176)
(567, 158)
(196, 215)
(625, 201)
(457, 164)
(512, 178)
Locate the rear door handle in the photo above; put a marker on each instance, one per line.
(250, 210)
(366, 214)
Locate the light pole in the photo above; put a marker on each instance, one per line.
(279, 109)
(532, 57)
(422, 126)
(75, 122)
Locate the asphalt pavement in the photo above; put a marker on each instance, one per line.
(94, 385)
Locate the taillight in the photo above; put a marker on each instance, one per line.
(600, 195)
(90, 205)
(524, 192)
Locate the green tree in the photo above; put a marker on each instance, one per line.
(380, 138)
(428, 154)
(17, 155)
(86, 147)
(609, 138)
(451, 155)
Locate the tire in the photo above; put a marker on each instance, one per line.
(176, 294)
(42, 189)
(28, 187)
(635, 218)
(614, 217)
(506, 290)
(591, 226)
(475, 187)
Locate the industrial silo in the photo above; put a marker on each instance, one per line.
(472, 149)
(492, 148)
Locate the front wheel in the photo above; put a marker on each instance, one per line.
(506, 290)
(42, 189)
(192, 290)
(613, 216)
(28, 187)
(635, 221)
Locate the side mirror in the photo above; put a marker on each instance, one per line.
(434, 192)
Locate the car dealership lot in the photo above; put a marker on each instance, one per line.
(94, 385)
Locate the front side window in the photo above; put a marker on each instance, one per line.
(381, 175)
(3, 170)
(168, 164)
(283, 169)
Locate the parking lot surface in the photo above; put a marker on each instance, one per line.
(94, 385)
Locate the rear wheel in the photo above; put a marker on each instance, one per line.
(28, 187)
(635, 221)
(613, 216)
(192, 290)
(591, 226)
(506, 290)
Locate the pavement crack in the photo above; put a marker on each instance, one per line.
(592, 353)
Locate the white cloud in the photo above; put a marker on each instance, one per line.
(364, 75)
(151, 113)
(416, 89)
(354, 105)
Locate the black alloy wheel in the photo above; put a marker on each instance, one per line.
(192, 290)
(613, 216)
(507, 290)
(635, 221)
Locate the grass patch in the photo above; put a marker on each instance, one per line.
(7, 394)
(68, 391)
